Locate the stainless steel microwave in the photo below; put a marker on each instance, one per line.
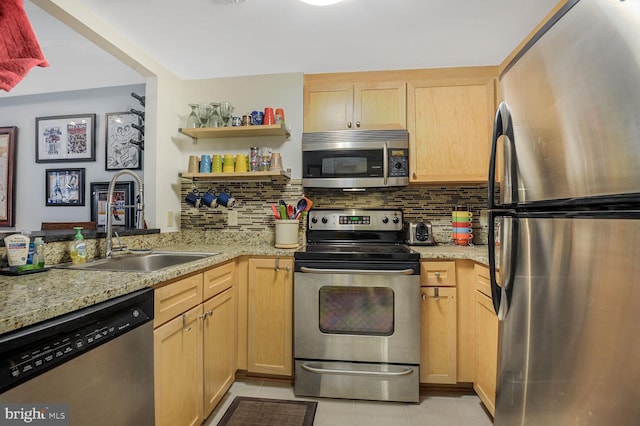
(354, 159)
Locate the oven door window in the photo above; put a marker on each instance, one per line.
(356, 310)
(343, 163)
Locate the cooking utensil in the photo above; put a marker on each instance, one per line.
(276, 213)
(290, 212)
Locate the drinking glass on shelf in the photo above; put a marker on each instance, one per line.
(226, 111)
(204, 114)
(193, 121)
(215, 120)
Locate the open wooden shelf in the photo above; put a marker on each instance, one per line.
(281, 176)
(237, 132)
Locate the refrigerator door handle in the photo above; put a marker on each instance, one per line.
(501, 293)
(503, 126)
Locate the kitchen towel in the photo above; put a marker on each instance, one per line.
(19, 48)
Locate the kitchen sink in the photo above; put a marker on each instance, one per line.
(145, 262)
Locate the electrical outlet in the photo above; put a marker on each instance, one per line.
(232, 219)
(170, 219)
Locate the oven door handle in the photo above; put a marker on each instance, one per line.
(306, 270)
(334, 371)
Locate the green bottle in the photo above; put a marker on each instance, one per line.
(78, 247)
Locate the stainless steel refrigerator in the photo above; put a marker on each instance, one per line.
(568, 299)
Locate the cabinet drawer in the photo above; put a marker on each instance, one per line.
(483, 281)
(438, 274)
(175, 298)
(218, 279)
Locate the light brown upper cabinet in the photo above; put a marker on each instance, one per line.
(331, 103)
(450, 122)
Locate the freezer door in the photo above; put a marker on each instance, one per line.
(574, 99)
(569, 347)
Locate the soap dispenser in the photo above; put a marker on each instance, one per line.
(78, 247)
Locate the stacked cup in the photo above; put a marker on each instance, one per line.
(462, 226)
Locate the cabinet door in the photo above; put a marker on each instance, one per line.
(177, 349)
(486, 351)
(438, 339)
(328, 107)
(380, 105)
(219, 328)
(450, 124)
(270, 302)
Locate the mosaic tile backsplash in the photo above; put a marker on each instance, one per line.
(254, 199)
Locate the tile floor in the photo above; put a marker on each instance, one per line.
(439, 408)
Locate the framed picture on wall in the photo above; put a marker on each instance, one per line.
(66, 138)
(65, 187)
(120, 131)
(122, 196)
(8, 140)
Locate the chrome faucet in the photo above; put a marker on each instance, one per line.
(139, 206)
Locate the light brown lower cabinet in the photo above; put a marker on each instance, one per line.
(486, 341)
(438, 362)
(195, 348)
(270, 316)
(178, 370)
(438, 319)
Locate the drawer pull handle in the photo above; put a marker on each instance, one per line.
(436, 294)
(437, 274)
(184, 323)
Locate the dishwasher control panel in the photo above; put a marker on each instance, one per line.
(60, 344)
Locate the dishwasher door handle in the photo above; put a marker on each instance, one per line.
(306, 270)
(334, 371)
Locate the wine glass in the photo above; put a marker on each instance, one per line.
(204, 114)
(193, 121)
(215, 119)
(226, 111)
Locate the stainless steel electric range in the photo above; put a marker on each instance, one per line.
(357, 308)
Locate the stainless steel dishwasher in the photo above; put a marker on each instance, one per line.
(97, 360)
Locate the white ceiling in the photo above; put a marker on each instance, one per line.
(198, 39)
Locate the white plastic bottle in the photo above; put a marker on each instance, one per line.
(17, 249)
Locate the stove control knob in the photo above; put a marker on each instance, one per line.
(396, 219)
(385, 219)
(324, 220)
(314, 219)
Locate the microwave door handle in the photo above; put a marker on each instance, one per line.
(385, 162)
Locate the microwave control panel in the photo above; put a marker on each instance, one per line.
(398, 162)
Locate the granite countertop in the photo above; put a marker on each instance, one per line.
(32, 298)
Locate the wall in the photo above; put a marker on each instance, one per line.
(21, 111)
(419, 203)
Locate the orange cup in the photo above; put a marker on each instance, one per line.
(279, 115)
(269, 117)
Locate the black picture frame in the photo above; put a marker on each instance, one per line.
(120, 153)
(123, 195)
(66, 138)
(65, 187)
(8, 140)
